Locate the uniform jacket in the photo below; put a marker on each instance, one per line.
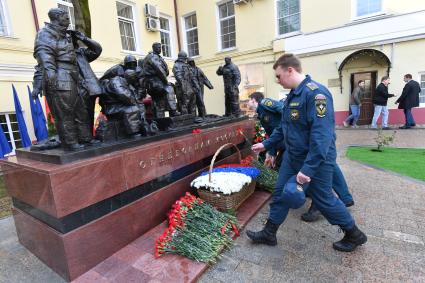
(308, 125)
(381, 95)
(410, 96)
(231, 75)
(155, 66)
(269, 113)
(119, 96)
(84, 57)
(54, 51)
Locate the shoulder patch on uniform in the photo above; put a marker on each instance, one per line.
(320, 101)
(267, 102)
(312, 86)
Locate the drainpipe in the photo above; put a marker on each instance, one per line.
(34, 14)
(177, 24)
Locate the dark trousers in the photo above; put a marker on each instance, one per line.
(409, 117)
(320, 191)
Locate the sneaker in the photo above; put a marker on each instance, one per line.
(404, 127)
(345, 124)
(355, 126)
(386, 128)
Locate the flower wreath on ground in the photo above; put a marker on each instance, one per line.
(196, 230)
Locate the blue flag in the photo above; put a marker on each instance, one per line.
(4, 145)
(38, 118)
(26, 142)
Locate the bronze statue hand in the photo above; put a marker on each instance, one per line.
(36, 92)
(77, 35)
(51, 79)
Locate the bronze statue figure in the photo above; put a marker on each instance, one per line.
(186, 84)
(202, 80)
(231, 79)
(155, 73)
(58, 76)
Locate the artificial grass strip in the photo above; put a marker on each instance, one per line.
(408, 162)
(2, 188)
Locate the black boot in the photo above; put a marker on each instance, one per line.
(266, 236)
(312, 215)
(352, 238)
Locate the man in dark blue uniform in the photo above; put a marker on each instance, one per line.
(269, 113)
(308, 128)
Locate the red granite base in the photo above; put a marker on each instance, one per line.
(76, 252)
(136, 261)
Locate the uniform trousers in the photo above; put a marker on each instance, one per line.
(319, 189)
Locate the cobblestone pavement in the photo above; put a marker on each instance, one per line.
(389, 209)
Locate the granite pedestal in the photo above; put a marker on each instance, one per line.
(73, 216)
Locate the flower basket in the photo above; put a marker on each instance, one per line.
(222, 201)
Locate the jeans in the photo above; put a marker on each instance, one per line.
(320, 191)
(340, 185)
(355, 113)
(378, 110)
(409, 117)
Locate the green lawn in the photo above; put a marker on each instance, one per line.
(409, 162)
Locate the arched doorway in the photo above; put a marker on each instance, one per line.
(365, 65)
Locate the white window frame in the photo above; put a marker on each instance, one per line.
(10, 132)
(6, 18)
(69, 5)
(135, 26)
(289, 34)
(422, 90)
(219, 46)
(170, 34)
(354, 16)
(185, 30)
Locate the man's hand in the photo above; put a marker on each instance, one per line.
(270, 161)
(302, 179)
(258, 147)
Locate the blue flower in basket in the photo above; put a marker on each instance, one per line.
(249, 171)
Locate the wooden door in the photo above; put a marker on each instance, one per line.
(366, 110)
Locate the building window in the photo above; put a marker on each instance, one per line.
(227, 25)
(191, 31)
(67, 6)
(165, 32)
(4, 28)
(422, 94)
(126, 23)
(10, 128)
(288, 16)
(367, 7)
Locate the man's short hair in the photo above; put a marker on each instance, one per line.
(384, 78)
(408, 76)
(54, 13)
(258, 96)
(359, 82)
(288, 60)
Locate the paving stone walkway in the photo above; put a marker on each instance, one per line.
(389, 208)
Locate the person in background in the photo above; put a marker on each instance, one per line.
(380, 100)
(355, 105)
(409, 98)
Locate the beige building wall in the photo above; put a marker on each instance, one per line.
(257, 44)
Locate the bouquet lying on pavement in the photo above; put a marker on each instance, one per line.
(196, 230)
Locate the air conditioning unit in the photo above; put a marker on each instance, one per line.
(151, 11)
(152, 24)
(238, 2)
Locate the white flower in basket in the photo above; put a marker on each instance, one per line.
(222, 182)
